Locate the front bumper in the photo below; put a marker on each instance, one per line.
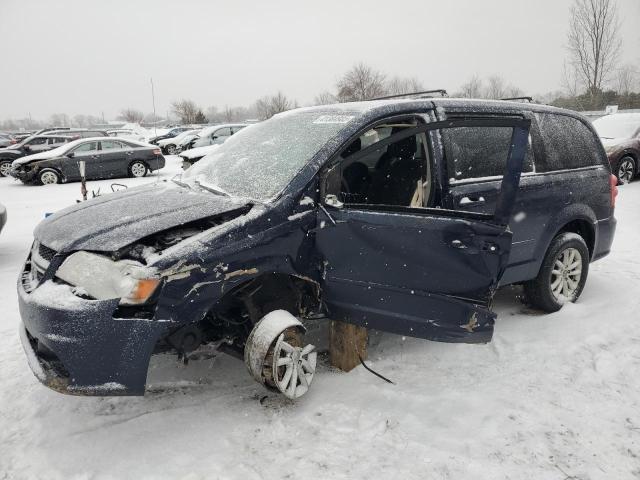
(23, 175)
(76, 346)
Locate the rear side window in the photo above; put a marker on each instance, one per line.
(568, 143)
(476, 153)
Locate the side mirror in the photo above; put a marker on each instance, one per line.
(70, 155)
(332, 201)
(27, 148)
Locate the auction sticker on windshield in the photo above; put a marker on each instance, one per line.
(334, 119)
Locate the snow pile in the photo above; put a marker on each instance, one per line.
(552, 397)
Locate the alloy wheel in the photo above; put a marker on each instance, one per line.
(48, 178)
(626, 170)
(566, 274)
(293, 367)
(138, 169)
(5, 168)
(171, 149)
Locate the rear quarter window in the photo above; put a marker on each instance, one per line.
(477, 153)
(568, 143)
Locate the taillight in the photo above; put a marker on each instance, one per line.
(13, 141)
(613, 181)
(157, 151)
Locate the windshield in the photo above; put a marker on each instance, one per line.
(259, 161)
(617, 126)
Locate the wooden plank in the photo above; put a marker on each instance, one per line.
(345, 342)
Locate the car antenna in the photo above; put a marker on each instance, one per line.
(423, 94)
(516, 99)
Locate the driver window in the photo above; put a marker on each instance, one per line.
(397, 173)
(86, 148)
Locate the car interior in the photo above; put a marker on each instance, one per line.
(398, 174)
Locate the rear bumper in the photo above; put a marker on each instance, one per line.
(76, 346)
(605, 233)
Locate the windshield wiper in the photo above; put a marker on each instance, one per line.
(217, 191)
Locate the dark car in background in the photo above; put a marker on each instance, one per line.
(620, 135)
(170, 134)
(29, 146)
(104, 157)
(401, 215)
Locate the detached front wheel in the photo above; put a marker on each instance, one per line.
(276, 356)
(562, 275)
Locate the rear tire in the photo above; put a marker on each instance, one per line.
(626, 170)
(48, 177)
(5, 167)
(138, 169)
(171, 149)
(562, 275)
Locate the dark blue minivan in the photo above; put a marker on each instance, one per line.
(399, 215)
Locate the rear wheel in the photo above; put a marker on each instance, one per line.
(626, 170)
(171, 149)
(138, 169)
(5, 167)
(49, 177)
(562, 275)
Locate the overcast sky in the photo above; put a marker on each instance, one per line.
(94, 56)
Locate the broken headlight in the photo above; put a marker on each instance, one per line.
(104, 279)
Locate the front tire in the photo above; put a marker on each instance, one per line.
(138, 169)
(5, 168)
(626, 170)
(171, 149)
(48, 177)
(562, 276)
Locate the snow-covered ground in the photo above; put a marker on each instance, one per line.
(552, 397)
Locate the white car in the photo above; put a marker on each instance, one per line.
(170, 145)
(126, 134)
(217, 134)
(189, 157)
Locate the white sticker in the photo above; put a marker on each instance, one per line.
(334, 119)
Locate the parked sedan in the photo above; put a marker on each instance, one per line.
(105, 157)
(169, 146)
(216, 134)
(6, 140)
(620, 135)
(170, 134)
(29, 146)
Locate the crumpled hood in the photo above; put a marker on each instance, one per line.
(113, 221)
(37, 156)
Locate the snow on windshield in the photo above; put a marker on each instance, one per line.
(617, 125)
(260, 160)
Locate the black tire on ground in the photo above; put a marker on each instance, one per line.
(626, 170)
(171, 149)
(138, 169)
(5, 166)
(538, 292)
(48, 176)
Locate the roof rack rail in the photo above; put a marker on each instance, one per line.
(423, 94)
(512, 99)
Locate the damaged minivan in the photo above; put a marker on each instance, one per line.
(399, 215)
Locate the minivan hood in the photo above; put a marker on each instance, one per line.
(113, 221)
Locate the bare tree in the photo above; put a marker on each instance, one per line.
(268, 106)
(402, 85)
(325, 98)
(594, 45)
(59, 120)
(626, 80)
(131, 115)
(496, 87)
(186, 110)
(472, 88)
(361, 83)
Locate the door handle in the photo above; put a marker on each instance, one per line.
(466, 201)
